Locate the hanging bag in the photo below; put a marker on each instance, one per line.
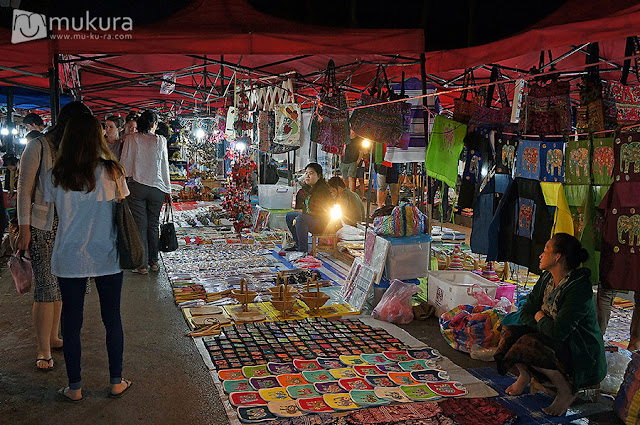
(382, 123)
(129, 243)
(168, 238)
(21, 272)
(462, 107)
(330, 124)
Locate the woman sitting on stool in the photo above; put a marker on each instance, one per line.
(315, 209)
(560, 340)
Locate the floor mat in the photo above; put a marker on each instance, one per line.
(528, 407)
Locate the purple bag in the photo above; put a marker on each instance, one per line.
(21, 272)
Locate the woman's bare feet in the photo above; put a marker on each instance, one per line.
(518, 387)
(521, 383)
(118, 390)
(560, 404)
(71, 395)
(56, 343)
(44, 361)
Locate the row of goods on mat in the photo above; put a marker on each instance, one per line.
(450, 411)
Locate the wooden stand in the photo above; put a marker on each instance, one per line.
(314, 300)
(284, 300)
(316, 247)
(244, 296)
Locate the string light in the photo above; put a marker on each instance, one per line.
(366, 143)
(14, 131)
(23, 141)
(200, 133)
(241, 146)
(4, 131)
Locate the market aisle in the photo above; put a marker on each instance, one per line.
(172, 385)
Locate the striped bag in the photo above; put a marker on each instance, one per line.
(627, 403)
(469, 325)
(405, 220)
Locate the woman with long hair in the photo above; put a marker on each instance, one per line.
(146, 161)
(38, 222)
(559, 339)
(85, 183)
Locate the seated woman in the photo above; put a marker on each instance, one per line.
(315, 209)
(560, 340)
(350, 203)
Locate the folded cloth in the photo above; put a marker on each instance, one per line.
(477, 411)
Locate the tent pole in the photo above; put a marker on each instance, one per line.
(423, 77)
(54, 89)
(9, 124)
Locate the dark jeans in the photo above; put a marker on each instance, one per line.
(304, 224)
(109, 290)
(145, 203)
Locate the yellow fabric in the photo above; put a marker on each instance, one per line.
(554, 196)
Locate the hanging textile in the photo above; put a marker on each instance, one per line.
(552, 161)
(620, 248)
(548, 109)
(479, 160)
(554, 196)
(525, 225)
(288, 124)
(232, 115)
(443, 151)
(330, 125)
(477, 411)
(626, 155)
(621, 102)
(506, 146)
(528, 159)
(603, 161)
(382, 123)
(484, 232)
(577, 162)
(417, 147)
(264, 129)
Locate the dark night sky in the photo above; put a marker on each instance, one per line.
(448, 24)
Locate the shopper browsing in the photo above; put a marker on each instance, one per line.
(350, 203)
(316, 209)
(146, 162)
(37, 231)
(83, 185)
(560, 339)
(112, 131)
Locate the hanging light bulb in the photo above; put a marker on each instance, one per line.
(23, 141)
(4, 131)
(14, 131)
(366, 143)
(241, 146)
(200, 133)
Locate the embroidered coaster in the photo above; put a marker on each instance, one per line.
(340, 401)
(284, 409)
(238, 385)
(367, 398)
(402, 378)
(313, 405)
(420, 392)
(430, 375)
(246, 398)
(255, 414)
(392, 394)
(262, 383)
(447, 389)
(329, 387)
(317, 375)
(274, 394)
(281, 368)
(301, 391)
(343, 373)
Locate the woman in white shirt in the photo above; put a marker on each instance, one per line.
(83, 184)
(146, 162)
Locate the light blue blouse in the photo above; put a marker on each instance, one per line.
(85, 243)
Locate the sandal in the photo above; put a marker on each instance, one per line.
(44, 369)
(62, 392)
(140, 271)
(121, 393)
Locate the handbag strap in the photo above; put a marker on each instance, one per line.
(629, 50)
(119, 191)
(466, 82)
(168, 213)
(495, 77)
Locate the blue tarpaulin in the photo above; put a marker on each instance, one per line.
(30, 99)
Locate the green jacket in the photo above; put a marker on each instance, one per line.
(576, 324)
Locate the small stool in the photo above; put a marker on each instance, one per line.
(317, 247)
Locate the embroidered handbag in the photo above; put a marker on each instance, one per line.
(621, 103)
(462, 107)
(21, 272)
(384, 123)
(330, 124)
(129, 243)
(405, 220)
(168, 239)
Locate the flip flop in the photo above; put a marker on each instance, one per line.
(121, 393)
(44, 369)
(140, 271)
(67, 398)
(155, 268)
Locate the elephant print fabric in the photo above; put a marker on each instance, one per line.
(620, 247)
(626, 161)
(603, 161)
(525, 214)
(505, 153)
(552, 162)
(528, 160)
(577, 162)
(473, 166)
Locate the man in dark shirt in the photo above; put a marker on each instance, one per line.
(350, 160)
(350, 203)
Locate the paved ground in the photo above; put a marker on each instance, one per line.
(171, 383)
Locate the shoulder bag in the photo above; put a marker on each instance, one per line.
(168, 238)
(129, 243)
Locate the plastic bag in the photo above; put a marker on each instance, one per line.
(350, 233)
(21, 272)
(616, 365)
(485, 299)
(395, 305)
(481, 353)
